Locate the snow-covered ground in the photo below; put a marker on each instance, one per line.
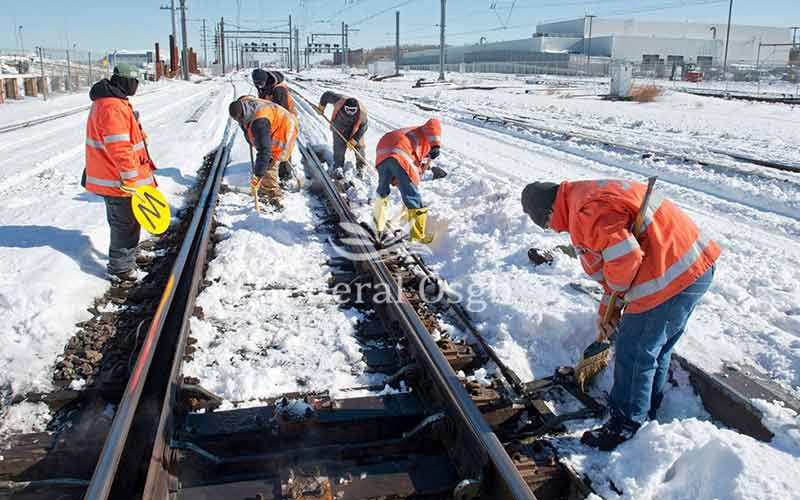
(269, 324)
(53, 233)
(266, 327)
(537, 322)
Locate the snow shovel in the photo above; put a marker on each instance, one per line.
(595, 356)
(254, 190)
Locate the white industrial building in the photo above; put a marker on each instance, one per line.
(631, 40)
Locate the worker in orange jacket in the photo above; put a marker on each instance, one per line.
(402, 157)
(272, 131)
(661, 275)
(271, 86)
(117, 162)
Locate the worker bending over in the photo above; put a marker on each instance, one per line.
(348, 125)
(272, 131)
(401, 158)
(661, 275)
(272, 87)
(117, 162)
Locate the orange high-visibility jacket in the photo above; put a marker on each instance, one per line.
(669, 255)
(287, 93)
(409, 146)
(362, 115)
(115, 149)
(283, 125)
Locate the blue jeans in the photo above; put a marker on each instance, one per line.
(643, 349)
(388, 170)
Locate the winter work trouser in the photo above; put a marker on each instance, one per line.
(269, 183)
(124, 234)
(643, 349)
(389, 170)
(340, 148)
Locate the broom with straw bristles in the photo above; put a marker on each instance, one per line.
(595, 356)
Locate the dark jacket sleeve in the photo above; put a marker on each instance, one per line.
(362, 129)
(329, 97)
(263, 144)
(281, 97)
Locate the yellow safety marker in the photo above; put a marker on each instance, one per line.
(151, 209)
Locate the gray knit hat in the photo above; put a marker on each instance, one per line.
(537, 201)
(126, 70)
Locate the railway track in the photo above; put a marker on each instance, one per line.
(447, 438)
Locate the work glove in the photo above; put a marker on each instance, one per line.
(320, 109)
(255, 182)
(434, 153)
(606, 330)
(146, 138)
(128, 187)
(352, 144)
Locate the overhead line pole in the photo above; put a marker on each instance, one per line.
(441, 42)
(291, 55)
(205, 49)
(222, 41)
(184, 43)
(589, 46)
(727, 40)
(397, 42)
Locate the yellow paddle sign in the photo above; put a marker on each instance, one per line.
(150, 209)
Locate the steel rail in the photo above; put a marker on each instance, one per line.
(47, 118)
(105, 471)
(463, 412)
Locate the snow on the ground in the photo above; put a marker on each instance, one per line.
(536, 322)
(53, 233)
(270, 326)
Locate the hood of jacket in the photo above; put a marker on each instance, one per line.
(103, 88)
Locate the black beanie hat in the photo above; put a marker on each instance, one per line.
(538, 199)
(259, 76)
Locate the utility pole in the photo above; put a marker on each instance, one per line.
(343, 44)
(297, 48)
(205, 49)
(589, 45)
(727, 40)
(21, 40)
(68, 85)
(45, 91)
(441, 43)
(397, 42)
(222, 41)
(184, 42)
(291, 54)
(794, 35)
(90, 68)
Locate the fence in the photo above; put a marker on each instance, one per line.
(736, 71)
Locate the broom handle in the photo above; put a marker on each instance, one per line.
(637, 229)
(357, 152)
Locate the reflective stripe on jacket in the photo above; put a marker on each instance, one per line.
(115, 149)
(668, 256)
(283, 125)
(409, 146)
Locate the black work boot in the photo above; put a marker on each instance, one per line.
(122, 277)
(615, 432)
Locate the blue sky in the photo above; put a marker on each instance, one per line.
(133, 24)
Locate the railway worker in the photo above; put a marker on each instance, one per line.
(117, 162)
(272, 131)
(662, 276)
(402, 157)
(348, 125)
(271, 86)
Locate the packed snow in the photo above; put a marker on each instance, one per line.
(54, 235)
(269, 326)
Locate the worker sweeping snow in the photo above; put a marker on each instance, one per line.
(272, 131)
(348, 124)
(117, 162)
(402, 157)
(661, 275)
